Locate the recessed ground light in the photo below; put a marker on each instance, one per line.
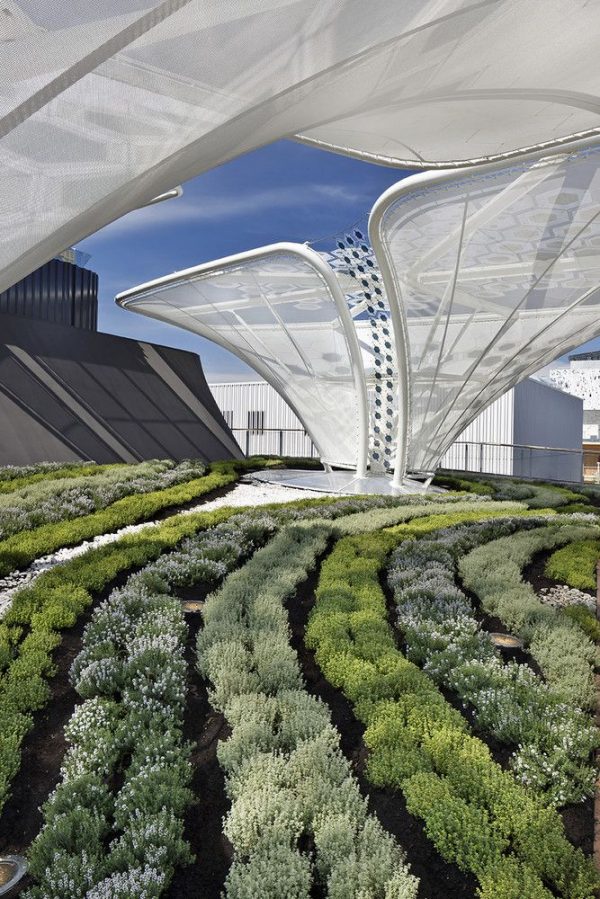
(192, 606)
(12, 869)
(506, 641)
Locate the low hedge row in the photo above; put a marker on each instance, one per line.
(564, 653)
(288, 782)
(456, 505)
(537, 494)
(553, 740)
(20, 550)
(28, 475)
(32, 627)
(475, 813)
(575, 564)
(54, 501)
(132, 675)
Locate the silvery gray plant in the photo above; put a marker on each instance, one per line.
(51, 501)
(510, 701)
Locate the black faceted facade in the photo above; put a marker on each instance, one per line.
(59, 292)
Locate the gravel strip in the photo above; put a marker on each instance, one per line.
(561, 596)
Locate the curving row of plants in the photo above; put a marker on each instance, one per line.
(52, 500)
(16, 477)
(565, 655)
(575, 564)
(32, 627)
(107, 840)
(553, 739)
(476, 814)
(297, 817)
(537, 495)
(10, 473)
(20, 550)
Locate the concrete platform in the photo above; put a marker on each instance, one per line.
(346, 483)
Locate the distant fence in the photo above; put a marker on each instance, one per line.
(275, 442)
(518, 459)
(548, 463)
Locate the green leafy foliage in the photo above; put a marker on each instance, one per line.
(476, 814)
(285, 773)
(561, 649)
(575, 564)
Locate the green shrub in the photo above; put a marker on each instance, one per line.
(586, 620)
(64, 472)
(575, 564)
(452, 482)
(285, 774)
(476, 814)
(563, 652)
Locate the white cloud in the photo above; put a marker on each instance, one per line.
(214, 208)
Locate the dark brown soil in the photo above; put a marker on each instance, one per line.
(204, 879)
(579, 824)
(439, 880)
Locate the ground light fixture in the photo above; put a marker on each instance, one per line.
(12, 870)
(192, 606)
(506, 642)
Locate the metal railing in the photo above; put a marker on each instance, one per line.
(546, 463)
(275, 442)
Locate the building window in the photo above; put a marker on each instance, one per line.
(256, 422)
(228, 416)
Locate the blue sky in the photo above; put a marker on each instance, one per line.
(285, 191)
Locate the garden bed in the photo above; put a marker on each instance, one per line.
(437, 877)
(44, 747)
(203, 821)
(273, 743)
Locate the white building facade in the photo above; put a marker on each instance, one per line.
(532, 430)
(582, 379)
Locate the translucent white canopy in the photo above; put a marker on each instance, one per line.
(105, 105)
(281, 310)
(490, 274)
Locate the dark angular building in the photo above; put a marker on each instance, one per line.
(68, 392)
(61, 291)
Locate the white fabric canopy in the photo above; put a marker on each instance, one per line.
(281, 310)
(105, 104)
(491, 274)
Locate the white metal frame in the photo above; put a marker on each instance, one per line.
(327, 275)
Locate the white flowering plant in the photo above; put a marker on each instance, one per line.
(553, 740)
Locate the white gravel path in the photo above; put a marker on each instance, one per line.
(561, 595)
(245, 493)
